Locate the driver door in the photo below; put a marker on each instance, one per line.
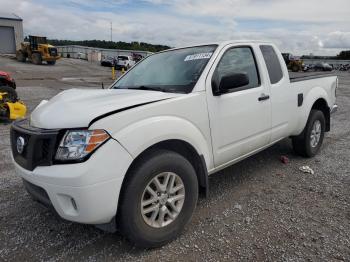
(240, 119)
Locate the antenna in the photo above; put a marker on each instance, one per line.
(111, 31)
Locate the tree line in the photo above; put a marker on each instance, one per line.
(343, 55)
(110, 44)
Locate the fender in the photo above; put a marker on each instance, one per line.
(309, 100)
(162, 128)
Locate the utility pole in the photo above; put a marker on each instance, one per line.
(111, 31)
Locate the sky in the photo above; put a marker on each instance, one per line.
(321, 27)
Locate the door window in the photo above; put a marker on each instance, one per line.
(238, 60)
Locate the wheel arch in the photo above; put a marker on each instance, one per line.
(315, 99)
(321, 105)
(184, 149)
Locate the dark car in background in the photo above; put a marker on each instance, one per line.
(7, 80)
(136, 57)
(323, 67)
(108, 61)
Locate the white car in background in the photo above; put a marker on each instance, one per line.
(125, 62)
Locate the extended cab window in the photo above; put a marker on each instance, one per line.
(272, 63)
(238, 60)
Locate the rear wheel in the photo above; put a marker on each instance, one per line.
(309, 142)
(159, 198)
(20, 56)
(295, 68)
(37, 59)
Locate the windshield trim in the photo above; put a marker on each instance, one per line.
(170, 50)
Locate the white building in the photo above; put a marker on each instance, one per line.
(84, 52)
(11, 33)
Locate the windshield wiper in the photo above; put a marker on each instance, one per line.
(152, 88)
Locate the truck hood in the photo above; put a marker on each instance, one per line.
(78, 107)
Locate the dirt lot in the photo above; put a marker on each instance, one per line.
(258, 210)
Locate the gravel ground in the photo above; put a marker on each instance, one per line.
(258, 210)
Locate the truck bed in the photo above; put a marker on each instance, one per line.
(301, 76)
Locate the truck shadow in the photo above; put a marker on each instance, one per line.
(252, 168)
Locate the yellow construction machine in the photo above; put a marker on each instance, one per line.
(37, 50)
(295, 64)
(11, 110)
(11, 107)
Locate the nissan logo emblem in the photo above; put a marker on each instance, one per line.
(20, 144)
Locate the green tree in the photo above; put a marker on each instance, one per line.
(111, 45)
(344, 55)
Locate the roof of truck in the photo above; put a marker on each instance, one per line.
(223, 43)
(242, 41)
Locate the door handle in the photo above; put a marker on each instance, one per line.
(263, 97)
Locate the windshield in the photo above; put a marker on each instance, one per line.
(123, 58)
(170, 71)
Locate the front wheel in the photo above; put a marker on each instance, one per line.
(309, 142)
(158, 200)
(37, 59)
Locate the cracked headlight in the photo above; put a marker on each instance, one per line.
(77, 144)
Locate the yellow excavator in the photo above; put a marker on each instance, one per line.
(293, 63)
(11, 108)
(37, 50)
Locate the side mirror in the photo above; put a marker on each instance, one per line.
(233, 81)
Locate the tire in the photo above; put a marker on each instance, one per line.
(136, 226)
(295, 68)
(11, 93)
(20, 56)
(302, 144)
(37, 59)
(51, 62)
(4, 113)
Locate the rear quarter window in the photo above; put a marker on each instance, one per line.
(272, 63)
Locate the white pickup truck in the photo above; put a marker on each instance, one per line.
(136, 155)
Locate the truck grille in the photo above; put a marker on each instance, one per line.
(38, 148)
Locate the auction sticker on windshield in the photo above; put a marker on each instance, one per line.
(198, 56)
